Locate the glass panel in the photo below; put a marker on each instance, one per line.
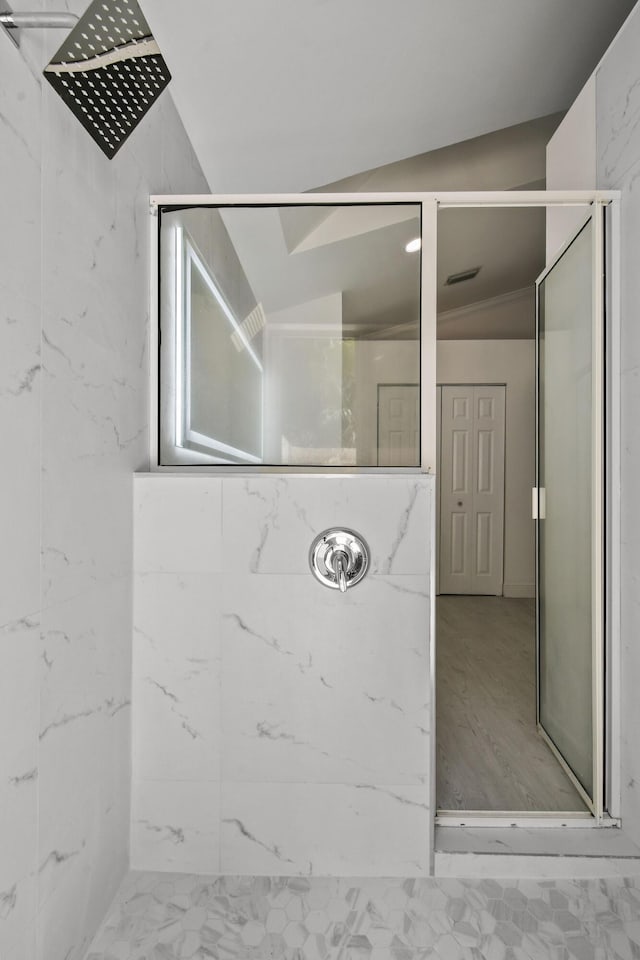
(565, 527)
(224, 385)
(279, 325)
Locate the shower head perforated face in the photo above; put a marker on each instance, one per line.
(109, 71)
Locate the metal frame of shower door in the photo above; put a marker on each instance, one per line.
(595, 803)
(428, 302)
(613, 634)
(431, 204)
(606, 502)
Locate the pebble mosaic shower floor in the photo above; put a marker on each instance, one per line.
(164, 916)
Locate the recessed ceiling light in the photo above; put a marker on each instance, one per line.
(413, 245)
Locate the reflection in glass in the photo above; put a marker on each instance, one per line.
(279, 326)
(222, 405)
(565, 532)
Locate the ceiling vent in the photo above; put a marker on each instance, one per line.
(461, 277)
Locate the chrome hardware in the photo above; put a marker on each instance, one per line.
(538, 503)
(339, 558)
(14, 22)
(38, 20)
(340, 564)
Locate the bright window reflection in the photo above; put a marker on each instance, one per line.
(281, 330)
(218, 373)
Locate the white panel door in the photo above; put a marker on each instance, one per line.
(488, 488)
(472, 489)
(398, 425)
(456, 501)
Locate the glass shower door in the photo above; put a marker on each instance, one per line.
(568, 506)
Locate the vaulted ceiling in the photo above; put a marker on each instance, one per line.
(382, 95)
(285, 95)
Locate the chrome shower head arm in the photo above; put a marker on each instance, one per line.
(36, 20)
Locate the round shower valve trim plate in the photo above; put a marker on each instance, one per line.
(339, 558)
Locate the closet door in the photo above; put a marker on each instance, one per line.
(472, 489)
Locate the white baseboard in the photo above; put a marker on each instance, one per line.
(519, 590)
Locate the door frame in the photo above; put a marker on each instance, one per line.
(430, 204)
(609, 534)
(470, 383)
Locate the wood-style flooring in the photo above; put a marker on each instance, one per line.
(489, 754)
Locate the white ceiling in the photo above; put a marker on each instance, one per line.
(284, 95)
(362, 258)
(301, 253)
(382, 95)
(359, 253)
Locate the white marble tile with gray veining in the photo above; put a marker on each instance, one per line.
(110, 312)
(18, 907)
(20, 167)
(73, 330)
(86, 486)
(536, 841)
(83, 663)
(20, 362)
(618, 109)
(20, 368)
(175, 825)
(323, 687)
(324, 829)
(83, 766)
(84, 759)
(176, 677)
(69, 915)
(19, 701)
(19, 676)
(96, 392)
(312, 689)
(178, 524)
(270, 522)
(535, 866)
(618, 166)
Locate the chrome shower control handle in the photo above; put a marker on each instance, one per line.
(339, 558)
(340, 567)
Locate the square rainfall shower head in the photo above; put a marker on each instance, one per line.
(109, 71)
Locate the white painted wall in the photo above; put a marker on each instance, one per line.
(511, 316)
(303, 382)
(571, 165)
(280, 727)
(73, 417)
(511, 362)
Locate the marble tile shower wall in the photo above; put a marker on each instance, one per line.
(618, 168)
(73, 413)
(279, 726)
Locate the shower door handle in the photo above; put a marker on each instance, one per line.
(538, 503)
